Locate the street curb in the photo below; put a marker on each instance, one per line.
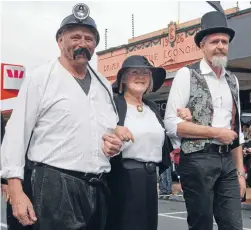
(244, 206)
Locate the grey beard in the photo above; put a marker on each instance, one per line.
(219, 61)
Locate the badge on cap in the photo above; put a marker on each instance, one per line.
(81, 11)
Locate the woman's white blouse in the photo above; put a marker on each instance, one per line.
(148, 135)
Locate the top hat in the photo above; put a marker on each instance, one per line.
(211, 23)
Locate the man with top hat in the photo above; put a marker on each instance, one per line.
(211, 162)
(62, 131)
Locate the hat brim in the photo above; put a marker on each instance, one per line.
(158, 76)
(201, 34)
(75, 24)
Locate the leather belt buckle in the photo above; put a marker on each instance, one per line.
(224, 148)
(96, 180)
(150, 167)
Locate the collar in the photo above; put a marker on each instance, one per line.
(206, 69)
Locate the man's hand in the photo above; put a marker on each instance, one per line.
(112, 144)
(246, 151)
(21, 205)
(124, 134)
(242, 182)
(185, 114)
(226, 136)
(5, 192)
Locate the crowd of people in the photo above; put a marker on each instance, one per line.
(75, 156)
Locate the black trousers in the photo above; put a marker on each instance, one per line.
(134, 203)
(65, 202)
(211, 188)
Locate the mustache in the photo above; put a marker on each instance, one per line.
(224, 53)
(82, 51)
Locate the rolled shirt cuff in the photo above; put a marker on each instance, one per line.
(17, 172)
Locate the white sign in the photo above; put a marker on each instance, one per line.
(13, 76)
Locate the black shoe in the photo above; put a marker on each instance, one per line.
(180, 194)
(164, 195)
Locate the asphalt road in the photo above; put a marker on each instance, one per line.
(172, 216)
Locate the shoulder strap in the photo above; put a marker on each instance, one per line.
(102, 83)
(28, 146)
(121, 107)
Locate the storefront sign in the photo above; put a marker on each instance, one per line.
(172, 49)
(12, 76)
(162, 107)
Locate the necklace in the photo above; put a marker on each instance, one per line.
(140, 108)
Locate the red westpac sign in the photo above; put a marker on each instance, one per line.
(15, 73)
(12, 76)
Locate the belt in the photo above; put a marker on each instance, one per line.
(90, 177)
(217, 148)
(150, 167)
(4, 181)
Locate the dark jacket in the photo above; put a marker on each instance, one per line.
(2, 128)
(3, 181)
(167, 148)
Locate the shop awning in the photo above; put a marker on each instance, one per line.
(240, 48)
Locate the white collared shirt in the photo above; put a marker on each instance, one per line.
(180, 93)
(67, 124)
(148, 135)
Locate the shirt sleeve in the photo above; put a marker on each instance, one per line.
(19, 129)
(175, 142)
(177, 99)
(241, 135)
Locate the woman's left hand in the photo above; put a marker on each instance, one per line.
(185, 114)
(123, 133)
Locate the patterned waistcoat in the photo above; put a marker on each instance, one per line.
(201, 106)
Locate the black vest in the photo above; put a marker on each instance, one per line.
(201, 106)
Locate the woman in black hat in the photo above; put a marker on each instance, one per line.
(133, 180)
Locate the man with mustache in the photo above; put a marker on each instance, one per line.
(62, 131)
(211, 161)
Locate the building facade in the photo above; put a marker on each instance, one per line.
(173, 47)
